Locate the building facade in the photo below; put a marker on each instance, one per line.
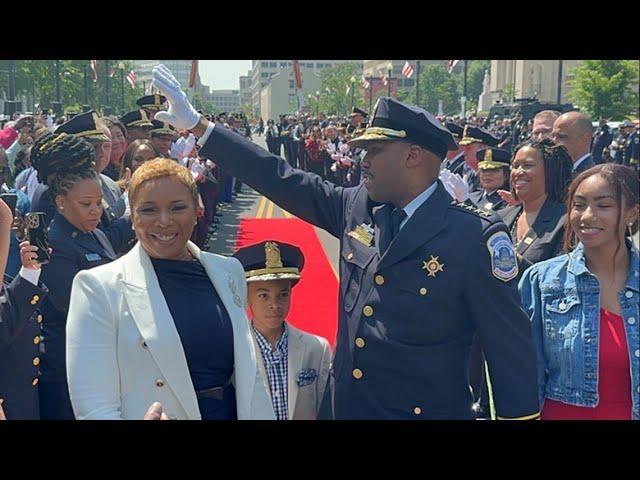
(226, 100)
(245, 89)
(263, 70)
(380, 68)
(532, 78)
(181, 69)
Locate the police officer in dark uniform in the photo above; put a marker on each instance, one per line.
(115, 226)
(473, 140)
(138, 125)
(162, 134)
(20, 338)
(493, 168)
(66, 164)
(152, 104)
(357, 118)
(455, 158)
(419, 273)
(602, 138)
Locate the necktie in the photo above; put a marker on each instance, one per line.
(397, 216)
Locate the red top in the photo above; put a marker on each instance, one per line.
(614, 378)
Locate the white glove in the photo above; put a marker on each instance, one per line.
(455, 186)
(189, 143)
(181, 113)
(197, 170)
(177, 148)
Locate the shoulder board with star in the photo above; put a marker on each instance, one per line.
(472, 209)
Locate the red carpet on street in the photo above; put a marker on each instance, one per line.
(314, 306)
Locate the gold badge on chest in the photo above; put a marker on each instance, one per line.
(363, 233)
(433, 266)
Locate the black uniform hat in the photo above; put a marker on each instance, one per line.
(136, 119)
(356, 111)
(490, 158)
(473, 134)
(455, 129)
(84, 125)
(161, 128)
(154, 102)
(271, 260)
(394, 120)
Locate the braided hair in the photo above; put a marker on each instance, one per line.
(62, 160)
(558, 167)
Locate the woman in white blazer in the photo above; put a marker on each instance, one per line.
(166, 322)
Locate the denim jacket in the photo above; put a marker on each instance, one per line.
(562, 299)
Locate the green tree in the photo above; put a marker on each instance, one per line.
(437, 84)
(37, 79)
(606, 87)
(475, 76)
(334, 99)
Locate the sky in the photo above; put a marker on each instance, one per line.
(223, 74)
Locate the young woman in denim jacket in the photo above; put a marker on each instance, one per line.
(584, 305)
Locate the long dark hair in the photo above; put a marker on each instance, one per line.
(624, 182)
(558, 167)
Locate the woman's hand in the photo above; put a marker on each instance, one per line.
(28, 255)
(508, 197)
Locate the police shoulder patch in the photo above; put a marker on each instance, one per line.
(504, 264)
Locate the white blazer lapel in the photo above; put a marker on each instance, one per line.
(295, 357)
(153, 318)
(233, 296)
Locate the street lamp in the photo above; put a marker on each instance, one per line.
(389, 68)
(353, 81)
(121, 67)
(57, 105)
(317, 103)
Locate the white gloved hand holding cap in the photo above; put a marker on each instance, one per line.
(181, 113)
(454, 185)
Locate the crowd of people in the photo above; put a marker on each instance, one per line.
(487, 271)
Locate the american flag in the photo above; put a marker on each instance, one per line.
(451, 65)
(131, 78)
(407, 70)
(94, 69)
(193, 74)
(385, 80)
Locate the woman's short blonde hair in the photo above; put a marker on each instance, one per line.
(160, 168)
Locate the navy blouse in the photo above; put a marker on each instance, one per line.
(205, 330)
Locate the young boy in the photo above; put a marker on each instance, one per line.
(296, 363)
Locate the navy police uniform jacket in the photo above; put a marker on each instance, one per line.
(492, 201)
(20, 348)
(407, 318)
(72, 251)
(118, 230)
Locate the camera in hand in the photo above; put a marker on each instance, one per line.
(37, 235)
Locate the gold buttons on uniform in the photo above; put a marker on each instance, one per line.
(357, 374)
(359, 342)
(74, 234)
(350, 256)
(423, 291)
(159, 383)
(39, 318)
(35, 382)
(417, 411)
(36, 339)
(379, 279)
(36, 361)
(35, 299)
(368, 311)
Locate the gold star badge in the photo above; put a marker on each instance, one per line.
(433, 266)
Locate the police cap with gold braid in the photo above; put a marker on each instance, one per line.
(394, 120)
(136, 119)
(155, 102)
(271, 260)
(472, 134)
(84, 125)
(490, 158)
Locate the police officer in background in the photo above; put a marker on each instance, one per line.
(493, 170)
(19, 328)
(419, 273)
(152, 104)
(602, 138)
